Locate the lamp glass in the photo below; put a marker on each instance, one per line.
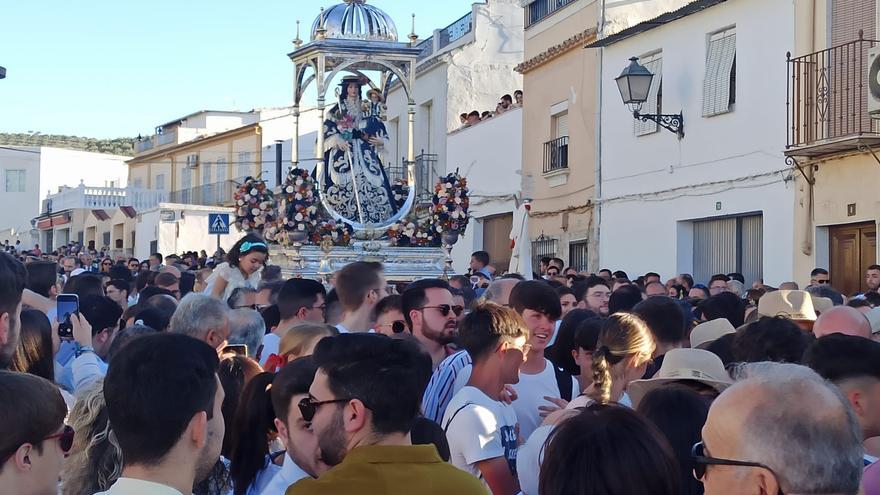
(634, 83)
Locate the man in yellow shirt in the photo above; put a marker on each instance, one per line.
(362, 405)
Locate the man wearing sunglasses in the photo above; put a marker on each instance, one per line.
(431, 313)
(780, 428)
(33, 438)
(362, 404)
(301, 300)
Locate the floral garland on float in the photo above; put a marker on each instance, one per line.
(339, 233)
(449, 208)
(399, 192)
(300, 206)
(255, 207)
(413, 232)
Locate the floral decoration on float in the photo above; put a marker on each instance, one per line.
(255, 207)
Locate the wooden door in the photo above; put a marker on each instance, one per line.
(496, 240)
(853, 248)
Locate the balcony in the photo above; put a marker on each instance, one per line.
(158, 141)
(442, 38)
(556, 155)
(426, 175)
(827, 102)
(100, 198)
(216, 194)
(541, 9)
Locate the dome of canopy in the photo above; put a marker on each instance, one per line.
(355, 20)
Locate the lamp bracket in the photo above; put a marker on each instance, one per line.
(673, 123)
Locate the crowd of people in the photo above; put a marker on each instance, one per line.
(506, 103)
(184, 376)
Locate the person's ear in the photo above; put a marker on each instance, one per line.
(5, 325)
(21, 459)
(415, 315)
(53, 291)
(355, 416)
(283, 434)
(301, 313)
(856, 399)
(197, 430)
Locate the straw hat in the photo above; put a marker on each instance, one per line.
(684, 364)
(821, 304)
(792, 304)
(710, 331)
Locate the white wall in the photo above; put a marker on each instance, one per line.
(278, 124)
(621, 14)
(640, 234)
(471, 75)
(489, 154)
(17, 209)
(61, 167)
(187, 232)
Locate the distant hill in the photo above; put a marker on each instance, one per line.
(118, 146)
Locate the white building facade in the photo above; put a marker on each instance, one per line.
(721, 199)
(465, 66)
(489, 154)
(31, 174)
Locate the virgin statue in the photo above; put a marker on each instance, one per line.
(354, 180)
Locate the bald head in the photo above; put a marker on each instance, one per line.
(498, 291)
(785, 417)
(842, 319)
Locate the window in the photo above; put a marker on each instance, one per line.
(245, 164)
(221, 170)
(543, 247)
(540, 9)
(160, 182)
(577, 255)
(731, 244)
(560, 125)
(653, 63)
(138, 183)
(206, 173)
(15, 180)
(719, 84)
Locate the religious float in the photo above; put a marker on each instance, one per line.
(347, 208)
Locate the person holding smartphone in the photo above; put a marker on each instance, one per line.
(92, 329)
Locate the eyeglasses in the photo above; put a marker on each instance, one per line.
(308, 407)
(65, 441)
(396, 326)
(444, 309)
(701, 460)
(107, 263)
(322, 307)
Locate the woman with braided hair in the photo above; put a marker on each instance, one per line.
(623, 351)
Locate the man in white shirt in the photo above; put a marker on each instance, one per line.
(300, 300)
(539, 306)
(481, 429)
(360, 286)
(170, 431)
(302, 459)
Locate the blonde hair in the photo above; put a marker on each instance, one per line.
(623, 335)
(302, 337)
(95, 461)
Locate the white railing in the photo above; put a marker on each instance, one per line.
(103, 198)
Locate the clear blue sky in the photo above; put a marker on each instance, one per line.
(108, 69)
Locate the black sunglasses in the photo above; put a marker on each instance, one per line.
(65, 441)
(308, 407)
(701, 460)
(445, 309)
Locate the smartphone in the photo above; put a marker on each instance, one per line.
(240, 349)
(66, 305)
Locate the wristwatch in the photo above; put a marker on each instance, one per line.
(82, 349)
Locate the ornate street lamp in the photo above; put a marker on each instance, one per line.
(634, 84)
(2, 72)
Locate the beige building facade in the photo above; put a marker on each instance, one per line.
(559, 130)
(834, 141)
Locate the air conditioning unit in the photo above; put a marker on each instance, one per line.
(192, 161)
(874, 82)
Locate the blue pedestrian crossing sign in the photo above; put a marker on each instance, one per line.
(218, 223)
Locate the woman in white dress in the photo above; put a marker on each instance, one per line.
(242, 267)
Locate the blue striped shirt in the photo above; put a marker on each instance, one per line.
(440, 389)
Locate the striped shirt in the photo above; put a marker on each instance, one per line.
(440, 389)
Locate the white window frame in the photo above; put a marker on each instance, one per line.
(21, 183)
(720, 57)
(652, 61)
(160, 182)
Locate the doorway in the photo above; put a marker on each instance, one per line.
(853, 248)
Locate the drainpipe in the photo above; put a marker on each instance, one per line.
(597, 187)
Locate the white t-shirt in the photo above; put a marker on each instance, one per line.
(271, 342)
(530, 392)
(531, 455)
(479, 428)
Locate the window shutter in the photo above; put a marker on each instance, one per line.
(719, 62)
(653, 63)
(561, 125)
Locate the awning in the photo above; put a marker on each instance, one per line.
(101, 215)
